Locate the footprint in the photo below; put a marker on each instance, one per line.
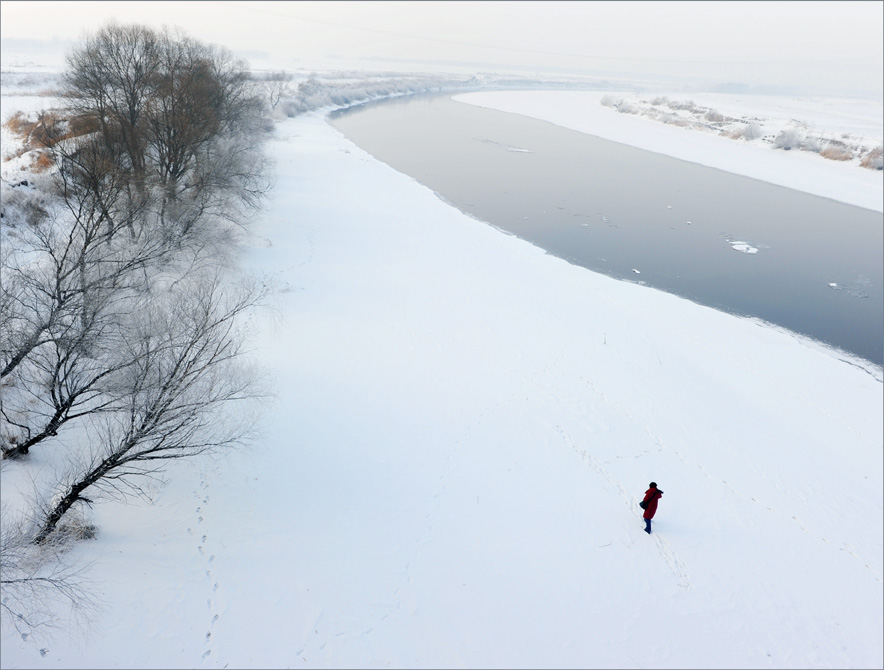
(675, 564)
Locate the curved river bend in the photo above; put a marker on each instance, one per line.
(740, 245)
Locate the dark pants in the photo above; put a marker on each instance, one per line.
(648, 526)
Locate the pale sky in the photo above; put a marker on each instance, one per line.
(822, 43)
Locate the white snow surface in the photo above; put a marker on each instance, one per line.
(450, 473)
(861, 121)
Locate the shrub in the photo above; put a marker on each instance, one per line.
(48, 128)
(82, 124)
(608, 101)
(813, 144)
(41, 161)
(714, 116)
(836, 153)
(687, 105)
(787, 139)
(752, 131)
(874, 159)
(676, 120)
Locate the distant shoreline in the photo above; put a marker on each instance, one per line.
(798, 170)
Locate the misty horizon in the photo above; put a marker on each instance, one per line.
(792, 48)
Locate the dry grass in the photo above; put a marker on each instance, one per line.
(873, 159)
(41, 161)
(48, 128)
(679, 121)
(19, 125)
(836, 153)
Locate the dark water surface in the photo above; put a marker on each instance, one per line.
(614, 209)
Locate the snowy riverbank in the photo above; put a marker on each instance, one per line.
(450, 474)
(802, 170)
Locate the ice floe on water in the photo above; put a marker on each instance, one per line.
(743, 246)
(859, 288)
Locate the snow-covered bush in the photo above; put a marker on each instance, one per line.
(874, 159)
(314, 93)
(789, 138)
(687, 105)
(812, 143)
(752, 131)
(608, 101)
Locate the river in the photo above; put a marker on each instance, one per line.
(807, 263)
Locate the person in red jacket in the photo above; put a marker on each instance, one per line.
(652, 495)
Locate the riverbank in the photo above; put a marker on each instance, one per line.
(450, 472)
(801, 170)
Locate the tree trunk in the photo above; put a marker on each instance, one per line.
(75, 493)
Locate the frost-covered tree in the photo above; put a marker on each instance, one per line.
(38, 582)
(173, 400)
(275, 86)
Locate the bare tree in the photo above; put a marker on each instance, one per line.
(109, 78)
(175, 150)
(173, 105)
(69, 288)
(37, 582)
(187, 366)
(111, 318)
(275, 86)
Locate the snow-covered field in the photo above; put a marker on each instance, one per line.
(450, 474)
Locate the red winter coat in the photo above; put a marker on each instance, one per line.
(651, 496)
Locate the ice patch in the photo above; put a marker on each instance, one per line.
(743, 247)
(859, 288)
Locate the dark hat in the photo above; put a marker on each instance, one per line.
(653, 485)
